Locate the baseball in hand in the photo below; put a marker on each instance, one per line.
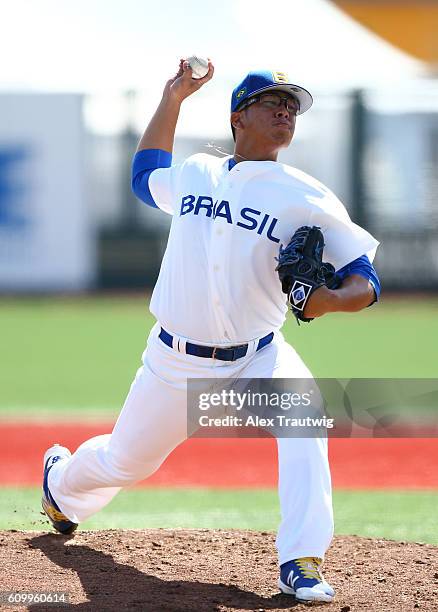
(199, 66)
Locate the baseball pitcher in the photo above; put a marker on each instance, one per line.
(249, 238)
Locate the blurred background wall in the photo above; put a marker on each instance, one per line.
(68, 220)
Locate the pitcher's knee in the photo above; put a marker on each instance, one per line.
(125, 471)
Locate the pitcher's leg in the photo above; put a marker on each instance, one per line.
(152, 423)
(306, 527)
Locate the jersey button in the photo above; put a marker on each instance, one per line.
(215, 267)
(219, 232)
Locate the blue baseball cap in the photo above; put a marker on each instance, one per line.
(264, 80)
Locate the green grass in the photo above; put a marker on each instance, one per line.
(394, 339)
(394, 515)
(70, 353)
(77, 354)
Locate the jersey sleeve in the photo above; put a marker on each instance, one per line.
(363, 267)
(154, 179)
(344, 240)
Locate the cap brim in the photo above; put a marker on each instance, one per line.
(303, 96)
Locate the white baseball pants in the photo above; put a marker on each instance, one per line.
(153, 422)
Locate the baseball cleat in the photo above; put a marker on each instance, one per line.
(59, 521)
(303, 578)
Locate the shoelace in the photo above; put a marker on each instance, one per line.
(309, 566)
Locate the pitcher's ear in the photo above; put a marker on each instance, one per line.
(236, 120)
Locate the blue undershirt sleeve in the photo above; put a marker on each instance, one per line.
(365, 268)
(143, 164)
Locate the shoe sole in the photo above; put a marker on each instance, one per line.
(319, 596)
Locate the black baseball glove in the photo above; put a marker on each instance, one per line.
(302, 271)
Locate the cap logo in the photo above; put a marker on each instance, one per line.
(241, 92)
(280, 77)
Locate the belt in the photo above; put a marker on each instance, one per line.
(216, 352)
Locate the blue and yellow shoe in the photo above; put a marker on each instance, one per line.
(303, 578)
(59, 521)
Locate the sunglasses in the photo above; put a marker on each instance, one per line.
(272, 101)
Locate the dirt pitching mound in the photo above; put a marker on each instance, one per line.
(204, 570)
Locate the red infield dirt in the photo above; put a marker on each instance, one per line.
(359, 463)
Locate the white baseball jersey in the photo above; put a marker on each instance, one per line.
(217, 284)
